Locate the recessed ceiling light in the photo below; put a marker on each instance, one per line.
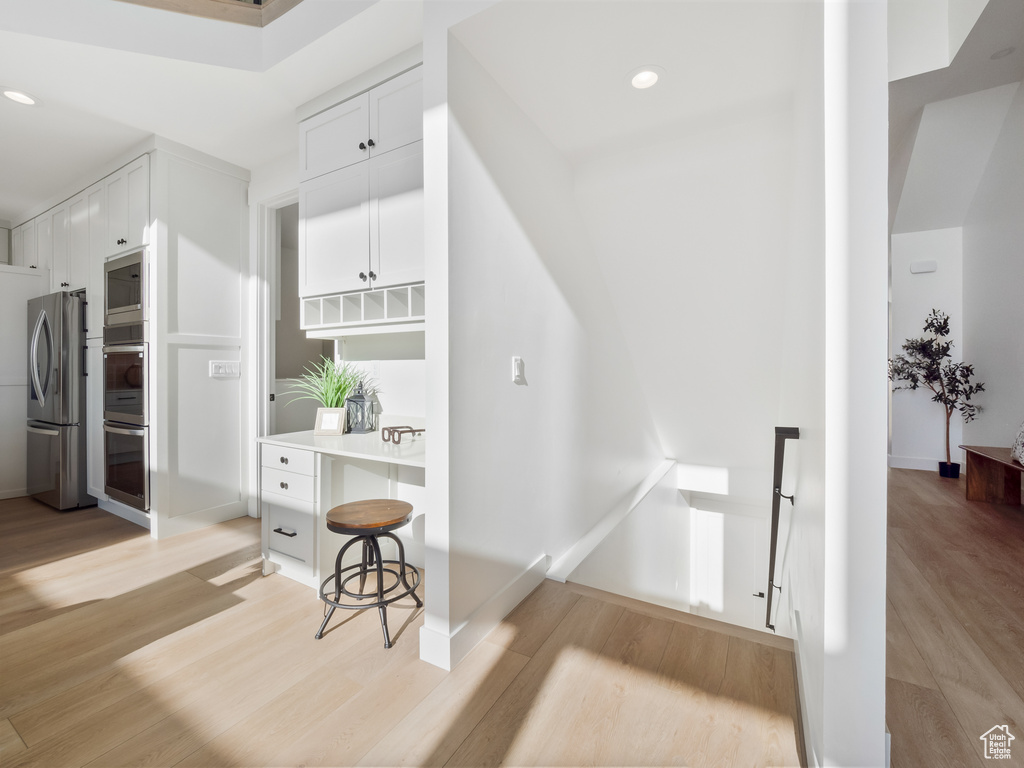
(1001, 53)
(645, 77)
(20, 96)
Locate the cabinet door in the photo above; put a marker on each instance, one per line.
(334, 232)
(43, 257)
(331, 140)
(396, 216)
(396, 112)
(128, 207)
(28, 245)
(18, 246)
(96, 197)
(60, 279)
(78, 245)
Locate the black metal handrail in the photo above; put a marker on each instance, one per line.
(782, 434)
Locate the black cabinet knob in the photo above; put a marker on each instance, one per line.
(373, 276)
(362, 145)
(370, 142)
(362, 276)
(284, 459)
(285, 486)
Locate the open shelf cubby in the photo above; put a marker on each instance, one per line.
(383, 306)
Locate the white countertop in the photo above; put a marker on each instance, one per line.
(411, 452)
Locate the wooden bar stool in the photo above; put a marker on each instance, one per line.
(367, 521)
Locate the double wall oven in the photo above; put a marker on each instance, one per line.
(126, 382)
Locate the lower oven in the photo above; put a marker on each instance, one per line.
(126, 463)
(125, 389)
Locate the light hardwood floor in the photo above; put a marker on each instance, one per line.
(955, 626)
(117, 650)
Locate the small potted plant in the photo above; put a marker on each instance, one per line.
(329, 383)
(926, 362)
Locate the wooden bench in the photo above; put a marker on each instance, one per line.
(992, 475)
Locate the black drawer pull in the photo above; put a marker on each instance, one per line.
(283, 532)
(284, 485)
(284, 459)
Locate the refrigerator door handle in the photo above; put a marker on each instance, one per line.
(129, 432)
(42, 431)
(42, 325)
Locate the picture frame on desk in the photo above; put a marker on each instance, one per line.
(330, 421)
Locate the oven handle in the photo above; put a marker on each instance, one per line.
(108, 348)
(120, 431)
(38, 431)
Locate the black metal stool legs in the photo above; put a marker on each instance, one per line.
(371, 561)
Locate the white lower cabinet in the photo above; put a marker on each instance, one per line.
(288, 498)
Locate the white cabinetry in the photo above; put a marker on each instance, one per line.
(96, 222)
(361, 210)
(288, 498)
(334, 232)
(23, 246)
(127, 205)
(372, 123)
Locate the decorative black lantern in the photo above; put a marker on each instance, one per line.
(361, 416)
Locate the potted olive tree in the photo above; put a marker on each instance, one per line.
(926, 362)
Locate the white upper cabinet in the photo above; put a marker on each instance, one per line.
(396, 113)
(383, 119)
(44, 241)
(127, 205)
(361, 211)
(60, 279)
(96, 213)
(396, 215)
(77, 269)
(23, 245)
(334, 232)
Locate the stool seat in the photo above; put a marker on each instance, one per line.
(366, 521)
(369, 516)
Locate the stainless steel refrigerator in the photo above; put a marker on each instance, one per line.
(56, 401)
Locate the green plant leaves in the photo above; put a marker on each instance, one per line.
(329, 383)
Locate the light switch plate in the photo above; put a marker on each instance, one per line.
(224, 369)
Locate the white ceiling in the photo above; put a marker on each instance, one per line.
(567, 63)
(943, 123)
(225, 89)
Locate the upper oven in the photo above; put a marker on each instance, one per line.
(125, 289)
(125, 397)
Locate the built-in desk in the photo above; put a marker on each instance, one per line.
(302, 476)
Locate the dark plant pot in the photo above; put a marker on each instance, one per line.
(951, 470)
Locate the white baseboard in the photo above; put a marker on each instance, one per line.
(13, 494)
(446, 651)
(130, 514)
(910, 462)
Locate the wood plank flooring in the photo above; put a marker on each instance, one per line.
(955, 627)
(117, 650)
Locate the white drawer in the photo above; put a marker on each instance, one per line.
(290, 531)
(289, 459)
(290, 484)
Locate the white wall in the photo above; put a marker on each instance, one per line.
(918, 431)
(562, 448)
(197, 435)
(852, 658)
(992, 289)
